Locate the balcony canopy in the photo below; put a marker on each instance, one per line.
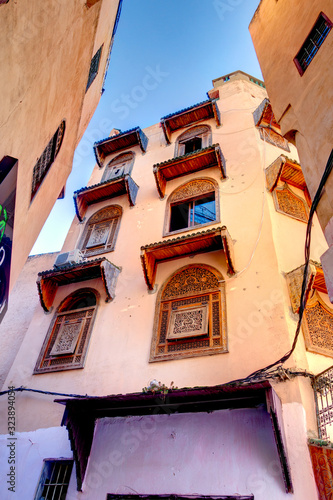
(289, 171)
(315, 281)
(183, 246)
(189, 116)
(104, 191)
(82, 413)
(264, 117)
(48, 281)
(187, 164)
(123, 140)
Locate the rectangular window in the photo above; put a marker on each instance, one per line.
(54, 480)
(193, 213)
(312, 43)
(193, 145)
(94, 65)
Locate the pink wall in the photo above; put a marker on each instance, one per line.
(222, 453)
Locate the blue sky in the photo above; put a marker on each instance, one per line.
(164, 58)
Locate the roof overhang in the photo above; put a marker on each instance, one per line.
(104, 191)
(49, 281)
(183, 246)
(192, 162)
(264, 117)
(286, 170)
(124, 140)
(81, 414)
(189, 116)
(315, 281)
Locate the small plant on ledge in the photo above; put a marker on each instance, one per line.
(158, 387)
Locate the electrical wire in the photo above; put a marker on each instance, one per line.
(305, 288)
(266, 372)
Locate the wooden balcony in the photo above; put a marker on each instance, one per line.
(286, 170)
(49, 281)
(119, 142)
(187, 164)
(104, 191)
(183, 246)
(190, 116)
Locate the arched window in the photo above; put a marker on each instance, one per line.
(190, 315)
(119, 166)
(193, 139)
(101, 231)
(65, 345)
(193, 204)
(46, 159)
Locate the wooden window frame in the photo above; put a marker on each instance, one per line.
(302, 68)
(110, 215)
(213, 297)
(191, 190)
(46, 362)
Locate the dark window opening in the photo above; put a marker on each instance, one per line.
(54, 480)
(94, 65)
(45, 161)
(193, 145)
(193, 213)
(83, 300)
(313, 42)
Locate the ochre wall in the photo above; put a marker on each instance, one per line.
(301, 104)
(47, 47)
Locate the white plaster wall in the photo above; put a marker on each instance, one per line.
(222, 453)
(23, 301)
(31, 448)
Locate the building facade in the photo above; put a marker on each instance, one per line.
(298, 74)
(55, 55)
(178, 283)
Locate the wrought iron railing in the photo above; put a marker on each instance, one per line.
(323, 388)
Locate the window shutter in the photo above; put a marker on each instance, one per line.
(188, 322)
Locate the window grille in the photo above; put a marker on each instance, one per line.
(54, 480)
(323, 388)
(45, 161)
(94, 65)
(312, 43)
